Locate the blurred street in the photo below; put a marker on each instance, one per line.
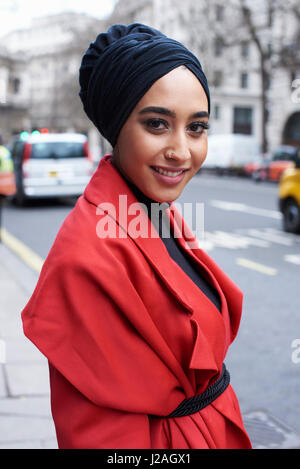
(243, 234)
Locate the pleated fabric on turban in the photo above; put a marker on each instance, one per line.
(121, 65)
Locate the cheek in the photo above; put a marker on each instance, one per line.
(136, 139)
(200, 154)
(146, 148)
(147, 141)
(136, 152)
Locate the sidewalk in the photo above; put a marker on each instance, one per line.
(25, 415)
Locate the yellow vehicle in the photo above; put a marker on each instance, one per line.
(289, 198)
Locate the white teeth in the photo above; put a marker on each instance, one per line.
(168, 173)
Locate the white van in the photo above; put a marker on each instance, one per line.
(230, 152)
(51, 165)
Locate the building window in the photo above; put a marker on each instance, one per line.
(217, 78)
(16, 85)
(217, 112)
(242, 120)
(270, 49)
(268, 82)
(218, 47)
(294, 76)
(244, 80)
(219, 12)
(245, 49)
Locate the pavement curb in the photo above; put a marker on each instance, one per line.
(25, 414)
(33, 260)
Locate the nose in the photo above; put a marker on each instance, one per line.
(178, 148)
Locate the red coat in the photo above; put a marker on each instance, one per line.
(128, 334)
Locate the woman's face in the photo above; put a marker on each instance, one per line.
(163, 143)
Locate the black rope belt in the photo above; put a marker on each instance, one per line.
(196, 403)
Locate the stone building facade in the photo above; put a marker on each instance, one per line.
(40, 68)
(233, 71)
(14, 95)
(51, 51)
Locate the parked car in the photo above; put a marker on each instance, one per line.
(51, 165)
(252, 167)
(257, 168)
(229, 153)
(284, 157)
(289, 198)
(260, 170)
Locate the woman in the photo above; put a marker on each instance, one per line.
(135, 322)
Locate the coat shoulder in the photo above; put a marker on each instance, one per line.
(78, 246)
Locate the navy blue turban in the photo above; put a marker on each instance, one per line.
(120, 67)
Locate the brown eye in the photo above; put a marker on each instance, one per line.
(198, 127)
(156, 124)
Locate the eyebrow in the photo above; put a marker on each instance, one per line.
(168, 112)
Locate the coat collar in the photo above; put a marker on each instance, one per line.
(108, 188)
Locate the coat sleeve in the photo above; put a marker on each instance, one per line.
(80, 424)
(106, 354)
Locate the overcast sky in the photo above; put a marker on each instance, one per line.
(15, 14)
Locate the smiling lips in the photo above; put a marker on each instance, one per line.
(170, 172)
(169, 175)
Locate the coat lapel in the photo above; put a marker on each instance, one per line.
(230, 294)
(108, 190)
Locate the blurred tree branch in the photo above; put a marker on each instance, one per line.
(255, 22)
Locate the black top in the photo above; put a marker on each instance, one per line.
(157, 213)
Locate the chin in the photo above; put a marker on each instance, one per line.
(168, 197)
